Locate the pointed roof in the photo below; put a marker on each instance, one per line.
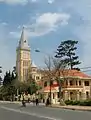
(33, 65)
(23, 43)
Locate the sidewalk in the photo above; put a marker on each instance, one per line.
(5, 102)
(81, 108)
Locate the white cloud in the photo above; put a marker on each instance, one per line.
(45, 24)
(23, 2)
(48, 22)
(50, 1)
(4, 23)
(14, 2)
(33, 0)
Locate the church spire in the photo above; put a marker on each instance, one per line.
(23, 43)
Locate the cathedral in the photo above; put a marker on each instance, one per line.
(24, 64)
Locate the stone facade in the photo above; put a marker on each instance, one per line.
(23, 58)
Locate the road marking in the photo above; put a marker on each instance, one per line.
(27, 113)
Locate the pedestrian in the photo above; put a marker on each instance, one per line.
(23, 101)
(33, 101)
(47, 102)
(37, 101)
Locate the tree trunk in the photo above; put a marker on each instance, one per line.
(50, 93)
(60, 91)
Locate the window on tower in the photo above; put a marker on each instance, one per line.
(25, 41)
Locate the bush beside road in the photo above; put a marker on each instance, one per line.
(79, 103)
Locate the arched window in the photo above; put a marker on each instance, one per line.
(45, 83)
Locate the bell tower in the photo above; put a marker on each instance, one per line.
(23, 58)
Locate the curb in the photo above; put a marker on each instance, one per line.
(5, 102)
(79, 109)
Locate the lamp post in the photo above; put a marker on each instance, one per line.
(49, 68)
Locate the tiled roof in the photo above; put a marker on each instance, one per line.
(68, 73)
(47, 89)
(74, 73)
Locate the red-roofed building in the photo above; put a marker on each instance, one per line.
(76, 85)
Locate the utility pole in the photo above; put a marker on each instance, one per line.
(50, 76)
(48, 64)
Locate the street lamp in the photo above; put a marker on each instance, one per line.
(49, 62)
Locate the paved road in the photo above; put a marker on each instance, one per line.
(16, 112)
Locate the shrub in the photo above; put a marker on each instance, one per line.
(81, 103)
(69, 102)
(76, 103)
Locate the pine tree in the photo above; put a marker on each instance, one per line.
(67, 52)
(7, 78)
(8, 84)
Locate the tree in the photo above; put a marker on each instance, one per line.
(7, 79)
(8, 88)
(0, 69)
(0, 80)
(33, 86)
(67, 52)
(55, 70)
(60, 73)
(48, 73)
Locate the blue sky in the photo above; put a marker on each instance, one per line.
(48, 23)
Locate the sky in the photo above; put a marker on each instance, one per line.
(48, 22)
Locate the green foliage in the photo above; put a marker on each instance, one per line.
(11, 85)
(23, 87)
(81, 103)
(33, 87)
(66, 52)
(8, 89)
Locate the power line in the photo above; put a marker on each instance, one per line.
(85, 68)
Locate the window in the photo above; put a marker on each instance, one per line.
(58, 94)
(37, 77)
(71, 82)
(80, 94)
(53, 95)
(42, 77)
(51, 82)
(76, 82)
(25, 63)
(66, 82)
(24, 41)
(79, 82)
(33, 70)
(86, 83)
(87, 95)
(45, 84)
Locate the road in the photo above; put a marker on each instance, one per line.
(16, 112)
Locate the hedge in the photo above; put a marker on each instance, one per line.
(81, 103)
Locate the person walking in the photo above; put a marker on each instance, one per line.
(37, 101)
(23, 101)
